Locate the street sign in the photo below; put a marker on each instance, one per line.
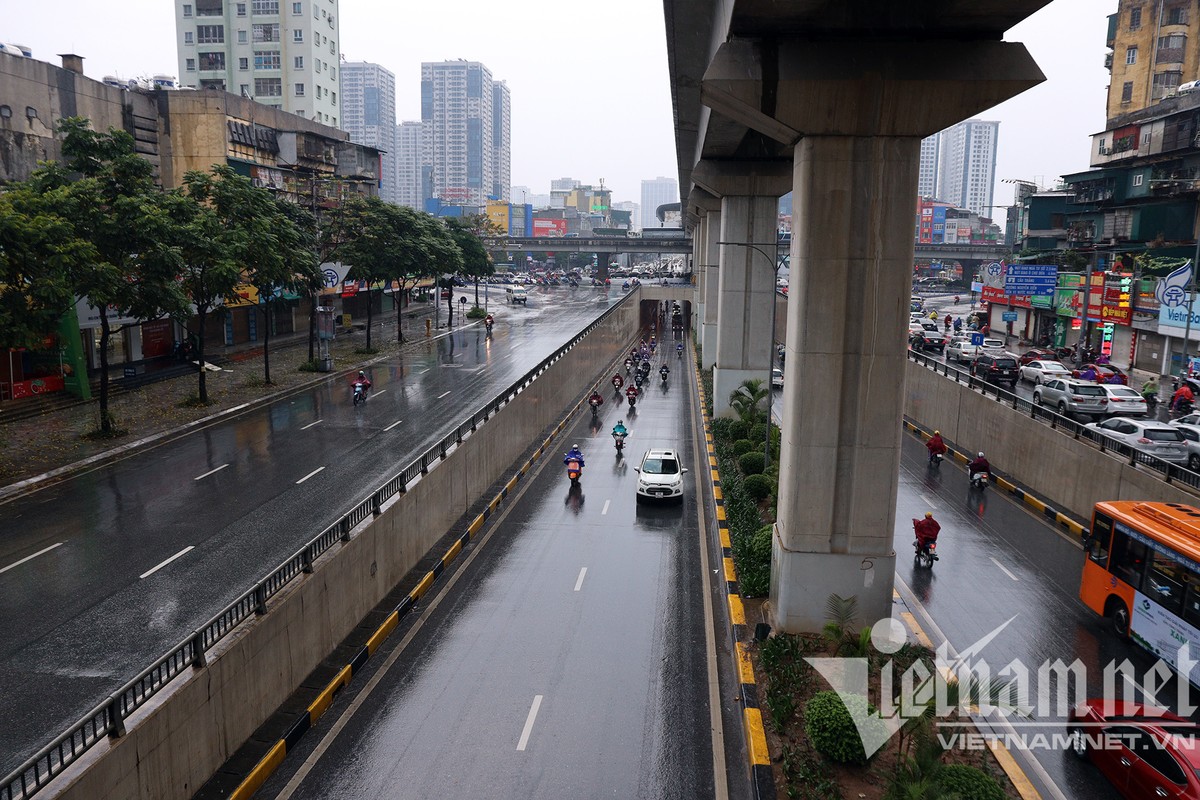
(1031, 279)
(1009, 316)
(976, 339)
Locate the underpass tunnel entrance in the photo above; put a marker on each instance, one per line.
(666, 316)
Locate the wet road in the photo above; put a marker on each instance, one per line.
(567, 658)
(103, 573)
(999, 560)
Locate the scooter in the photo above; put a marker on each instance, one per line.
(595, 404)
(663, 375)
(979, 480)
(619, 440)
(935, 460)
(360, 392)
(628, 365)
(488, 326)
(574, 470)
(924, 556)
(638, 380)
(618, 383)
(632, 398)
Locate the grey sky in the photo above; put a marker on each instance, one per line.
(589, 82)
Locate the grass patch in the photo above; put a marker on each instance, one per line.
(366, 351)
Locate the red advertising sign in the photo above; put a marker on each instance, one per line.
(549, 227)
(29, 388)
(156, 338)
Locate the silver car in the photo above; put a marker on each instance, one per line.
(1123, 401)
(1072, 397)
(1191, 435)
(1147, 435)
(1041, 371)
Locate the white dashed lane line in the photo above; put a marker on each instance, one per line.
(443, 394)
(162, 564)
(1003, 569)
(309, 425)
(30, 558)
(309, 475)
(210, 472)
(394, 424)
(533, 710)
(579, 581)
(604, 510)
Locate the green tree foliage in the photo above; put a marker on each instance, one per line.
(746, 399)
(466, 233)
(38, 253)
(829, 722)
(214, 239)
(107, 192)
(968, 781)
(751, 463)
(759, 487)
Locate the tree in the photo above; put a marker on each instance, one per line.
(107, 192)
(39, 251)
(466, 233)
(745, 399)
(213, 240)
(426, 249)
(370, 246)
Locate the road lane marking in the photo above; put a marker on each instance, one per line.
(537, 703)
(422, 372)
(381, 391)
(29, 558)
(929, 502)
(443, 394)
(309, 425)
(604, 510)
(1002, 569)
(394, 424)
(309, 475)
(578, 583)
(168, 561)
(210, 472)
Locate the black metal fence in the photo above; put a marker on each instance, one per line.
(1169, 473)
(108, 718)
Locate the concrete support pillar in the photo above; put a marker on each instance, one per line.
(851, 264)
(698, 274)
(747, 290)
(712, 288)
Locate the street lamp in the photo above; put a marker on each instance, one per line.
(775, 265)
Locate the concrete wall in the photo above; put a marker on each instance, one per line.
(1073, 475)
(173, 746)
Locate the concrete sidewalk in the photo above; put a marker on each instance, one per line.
(49, 446)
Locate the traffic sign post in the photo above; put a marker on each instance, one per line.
(1009, 316)
(1031, 280)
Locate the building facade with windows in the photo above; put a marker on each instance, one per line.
(655, 193)
(462, 151)
(502, 139)
(408, 165)
(966, 170)
(369, 116)
(1154, 53)
(927, 176)
(282, 53)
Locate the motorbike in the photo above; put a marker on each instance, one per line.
(935, 460)
(1151, 399)
(628, 365)
(574, 470)
(617, 384)
(488, 326)
(619, 441)
(923, 555)
(632, 400)
(360, 392)
(595, 402)
(638, 380)
(979, 480)
(663, 375)
(1180, 409)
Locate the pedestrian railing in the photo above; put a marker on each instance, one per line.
(1169, 473)
(108, 718)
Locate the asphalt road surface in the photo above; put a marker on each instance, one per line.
(103, 573)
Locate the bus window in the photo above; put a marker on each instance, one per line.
(1191, 600)
(1128, 559)
(1164, 583)
(1101, 534)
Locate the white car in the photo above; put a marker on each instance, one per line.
(1123, 401)
(660, 476)
(1040, 371)
(1147, 435)
(777, 378)
(962, 351)
(1191, 435)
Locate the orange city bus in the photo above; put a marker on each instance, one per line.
(1143, 572)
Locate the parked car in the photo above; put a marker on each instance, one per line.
(1123, 401)
(996, 367)
(1039, 372)
(1103, 373)
(777, 378)
(1150, 436)
(660, 476)
(1072, 397)
(1037, 354)
(1146, 752)
(1191, 436)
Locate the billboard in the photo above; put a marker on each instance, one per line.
(549, 227)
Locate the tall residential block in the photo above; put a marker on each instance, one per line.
(1154, 52)
(283, 53)
(369, 116)
(502, 139)
(408, 165)
(655, 193)
(966, 172)
(927, 175)
(460, 143)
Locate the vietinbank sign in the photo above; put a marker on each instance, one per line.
(1174, 302)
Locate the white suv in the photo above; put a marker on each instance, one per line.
(660, 476)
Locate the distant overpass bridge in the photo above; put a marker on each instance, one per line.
(593, 244)
(961, 252)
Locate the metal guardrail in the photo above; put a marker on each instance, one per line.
(1170, 473)
(108, 719)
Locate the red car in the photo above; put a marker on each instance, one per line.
(1146, 752)
(1103, 373)
(1037, 354)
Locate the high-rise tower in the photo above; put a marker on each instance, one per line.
(967, 165)
(460, 142)
(369, 116)
(654, 194)
(283, 53)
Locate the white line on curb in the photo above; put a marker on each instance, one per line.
(537, 702)
(168, 561)
(579, 582)
(309, 425)
(29, 558)
(210, 472)
(309, 475)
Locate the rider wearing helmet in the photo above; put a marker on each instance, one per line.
(935, 445)
(926, 529)
(619, 429)
(980, 464)
(574, 454)
(364, 380)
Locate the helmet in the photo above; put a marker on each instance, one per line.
(928, 515)
(981, 454)
(937, 433)
(620, 422)
(574, 447)
(362, 374)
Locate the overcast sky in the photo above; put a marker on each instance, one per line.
(590, 88)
